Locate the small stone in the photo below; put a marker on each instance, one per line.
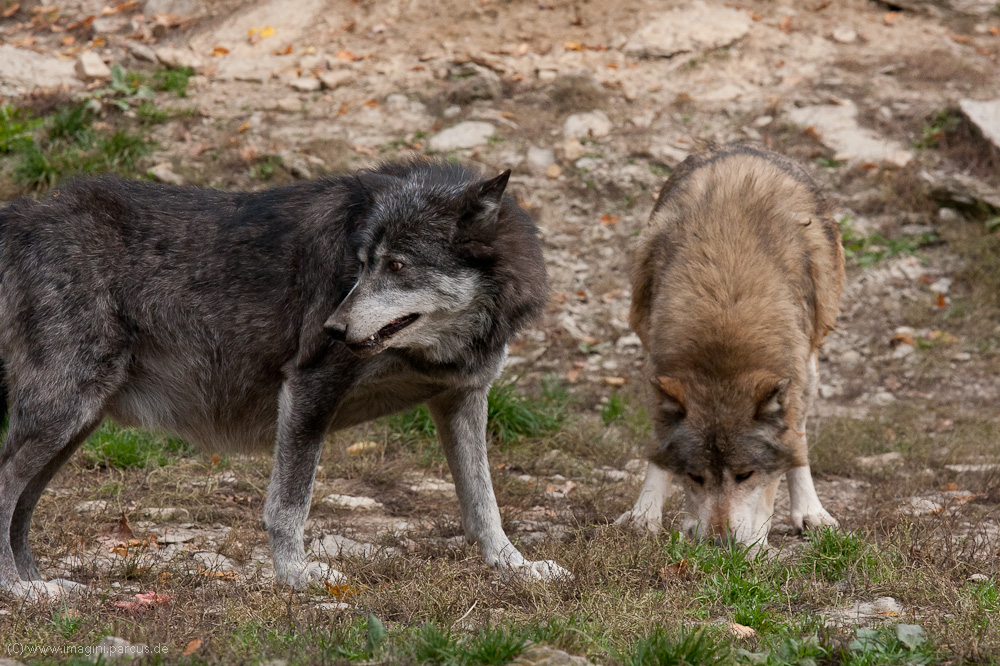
(214, 561)
(881, 459)
(887, 606)
(163, 513)
(850, 357)
(763, 121)
(837, 127)
(547, 75)
(104, 25)
(291, 104)
(452, 111)
(979, 578)
(630, 340)
(920, 506)
(883, 398)
(903, 350)
(464, 135)
(306, 84)
(636, 466)
(177, 58)
(142, 52)
(432, 486)
(113, 647)
(593, 124)
(941, 286)
(350, 502)
(981, 468)
(844, 34)
(572, 149)
(177, 7)
(695, 27)
(332, 606)
(334, 79)
(541, 157)
(949, 215)
(90, 66)
(92, 506)
(554, 171)
(164, 173)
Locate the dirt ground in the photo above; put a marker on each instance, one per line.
(591, 103)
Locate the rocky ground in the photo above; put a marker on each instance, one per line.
(894, 109)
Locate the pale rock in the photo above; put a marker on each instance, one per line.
(104, 25)
(763, 121)
(668, 154)
(850, 357)
(306, 84)
(881, 459)
(883, 398)
(452, 111)
(163, 513)
(941, 285)
(335, 545)
(837, 128)
(844, 34)
(541, 157)
(335, 78)
(9, 662)
(593, 124)
(903, 350)
(985, 116)
(547, 75)
(636, 466)
(291, 104)
(542, 655)
(177, 58)
(429, 485)
(980, 468)
(862, 612)
(572, 149)
(920, 506)
(350, 502)
(214, 561)
(113, 647)
(92, 506)
(464, 135)
(948, 215)
(944, 8)
(332, 606)
(979, 578)
(164, 173)
(696, 27)
(630, 340)
(311, 61)
(141, 52)
(22, 70)
(178, 7)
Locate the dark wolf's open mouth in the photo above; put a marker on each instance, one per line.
(376, 341)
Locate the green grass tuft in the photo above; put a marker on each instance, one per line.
(695, 648)
(833, 553)
(173, 80)
(124, 448)
(614, 409)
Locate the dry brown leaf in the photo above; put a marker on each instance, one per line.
(68, 40)
(266, 32)
(192, 647)
(786, 25)
(903, 339)
(754, 16)
(120, 533)
(143, 602)
(371, 104)
(993, 29)
(220, 575)
(573, 46)
(961, 39)
(347, 56)
(608, 219)
(573, 376)
(890, 17)
(615, 381)
(340, 591)
(219, 51)
(358, 448)
(741, 631)
(674, 571)
(941, 301)
(554, 170)
(284, 51)
(10, 11)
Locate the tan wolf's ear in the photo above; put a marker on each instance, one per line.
(772, 398)
(671, 393)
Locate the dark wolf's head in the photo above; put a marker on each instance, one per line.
(447, 259)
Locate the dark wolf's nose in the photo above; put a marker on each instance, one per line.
(337, 330)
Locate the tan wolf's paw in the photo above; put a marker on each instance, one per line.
(300, 575)
(644, 523)
(816, 517)
(542, 570)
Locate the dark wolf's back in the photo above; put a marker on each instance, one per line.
(205, 292)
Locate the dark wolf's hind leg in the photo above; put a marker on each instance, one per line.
(21, 520)
(46, 426)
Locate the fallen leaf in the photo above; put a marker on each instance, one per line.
(949, 487)
(192, 647)
(903, 339)
(68, 40)
(219, 51)
(371, 104)
(340, 591)
(573, 46)
(266, 32)
(786, 25)
(573, 376)
(554, 170)
(889, 18)
(941, 301)
(741, 631)
(961, 39)
(219, 575)
(120, 533)
(358, 448)
(994, 29)
(280, 52)
(673, 571)
(247, 154)
(10, 11)
(608, 219)
(344, 109)
(346, 56)
(615, 381)
(142, 602)
(754, 16)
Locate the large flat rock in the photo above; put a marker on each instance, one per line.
(985, 116)
(837, 127)
(22, 71)
(695, 28)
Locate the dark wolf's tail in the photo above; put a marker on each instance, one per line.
(3, 397)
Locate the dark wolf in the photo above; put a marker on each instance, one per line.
(247, 321)
(735, 285)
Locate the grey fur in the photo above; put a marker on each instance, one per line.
(229, 319)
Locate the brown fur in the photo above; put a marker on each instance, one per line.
(736, 283)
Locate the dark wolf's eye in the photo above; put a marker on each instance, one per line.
(740, 478)
(395, 266)
(697, 479)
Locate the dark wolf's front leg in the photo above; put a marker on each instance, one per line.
(460, 417)
(302, 425)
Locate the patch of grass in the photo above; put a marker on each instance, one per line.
(869, 250)
(613, 411)
(16, 127)
(266, 167)
(115, 446)
(493, 646)
(943, 122)
(125, 90)
(150, 114)
(691, 648)
(172, 80)
(986, 595)
(902, 644)
(832, 553)
(789, 646)
(430, 644)
(829, 162)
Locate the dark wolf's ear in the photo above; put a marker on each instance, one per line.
(671, 394)
(772, 399)
(483, 208)
(372, 182)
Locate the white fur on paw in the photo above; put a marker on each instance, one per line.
(301, 575)
(640, 522)
(817, 517)
(542, 570)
